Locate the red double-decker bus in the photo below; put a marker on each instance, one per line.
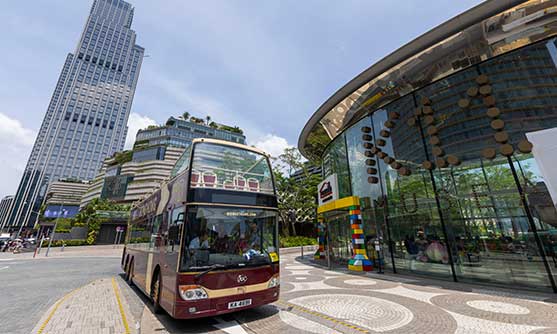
(206, 242)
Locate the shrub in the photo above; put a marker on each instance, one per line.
(63, 225)
(62, 230)
(297, 241)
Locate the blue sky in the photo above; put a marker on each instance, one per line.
(265, 66)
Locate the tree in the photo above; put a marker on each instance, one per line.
(296, 196)
(88, 216)
(208, 118)
(197, 120)
(291, 159)
(186, 115)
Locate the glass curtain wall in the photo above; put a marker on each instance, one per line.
(372, 204)
(466, 195)
(335, 161)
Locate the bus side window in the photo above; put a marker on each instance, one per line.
(175, 227)
(155, 232)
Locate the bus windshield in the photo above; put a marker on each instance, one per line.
(228, 237)
(230, 168)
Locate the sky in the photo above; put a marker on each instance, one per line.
(265, 66)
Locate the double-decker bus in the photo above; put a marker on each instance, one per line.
(206, 242)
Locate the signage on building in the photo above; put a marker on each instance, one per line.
(327, 190)
(66, 211)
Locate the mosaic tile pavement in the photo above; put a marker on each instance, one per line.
(315, 300)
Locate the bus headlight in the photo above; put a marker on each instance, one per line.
(192, 292)
(274, 282)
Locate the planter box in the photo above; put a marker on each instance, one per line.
(62, 236)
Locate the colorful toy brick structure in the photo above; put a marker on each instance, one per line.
(359, 260)
(320, 253)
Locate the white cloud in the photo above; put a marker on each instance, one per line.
(136, 122)
(272, 144)
(16, 142)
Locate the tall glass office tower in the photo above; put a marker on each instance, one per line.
(88, 112)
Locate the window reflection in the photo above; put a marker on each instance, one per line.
(228, 237)
(491, 207)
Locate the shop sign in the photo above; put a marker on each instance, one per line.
(327, 190)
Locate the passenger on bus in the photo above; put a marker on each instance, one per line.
(254, 240)
(223, 242)
(200, 241)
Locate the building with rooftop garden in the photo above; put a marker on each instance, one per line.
(445, 152)
(180, 132)
(130, 175)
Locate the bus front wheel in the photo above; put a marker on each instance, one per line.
(156, 294)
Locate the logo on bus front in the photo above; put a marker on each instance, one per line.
(242, 278)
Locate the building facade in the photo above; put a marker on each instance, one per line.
(63, 198)
(129, 181)
(449, 145)
(5, 204)
(180, 133)
(130, 175)
(88, 112)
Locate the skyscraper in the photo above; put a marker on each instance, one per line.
(88, 112)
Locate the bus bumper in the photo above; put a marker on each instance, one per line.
(217, 306)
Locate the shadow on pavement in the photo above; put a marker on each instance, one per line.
(206, 325)
(413, 278)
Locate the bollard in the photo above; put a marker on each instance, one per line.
(63, 245)
(302, 251)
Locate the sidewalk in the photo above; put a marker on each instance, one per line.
(425, 281)
(77, 251)
(97, 307)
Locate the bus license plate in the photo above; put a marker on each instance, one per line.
(239, 303)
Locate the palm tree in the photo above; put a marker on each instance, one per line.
(186, 115)
(208, 118)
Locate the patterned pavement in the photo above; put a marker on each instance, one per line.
(315, 300)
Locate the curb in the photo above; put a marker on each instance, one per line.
(298, 249)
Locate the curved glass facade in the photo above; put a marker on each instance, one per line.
(488, 30)
(450, 182)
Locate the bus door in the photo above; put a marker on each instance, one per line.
(171, 253)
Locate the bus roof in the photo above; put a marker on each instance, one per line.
(228, 143)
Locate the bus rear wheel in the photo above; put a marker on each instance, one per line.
(156, 294)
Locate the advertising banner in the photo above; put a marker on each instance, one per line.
(65, 211)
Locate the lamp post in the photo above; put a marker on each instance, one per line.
(21, 227)
(22, 223)
(54, 229)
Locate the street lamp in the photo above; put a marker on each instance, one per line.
(54, 229)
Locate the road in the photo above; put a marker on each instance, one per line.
(313, 300)
(28, 287)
